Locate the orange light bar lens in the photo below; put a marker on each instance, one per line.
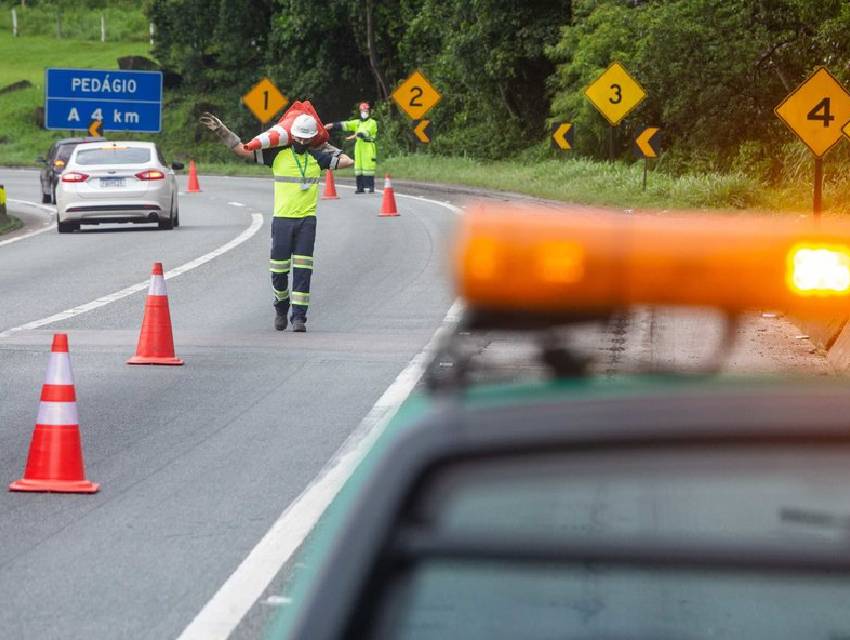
(560, 262)
(819, 270)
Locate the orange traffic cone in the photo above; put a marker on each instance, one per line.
(388, 206)
(55, 461)
(156, 342)
(330, 187)
(193, 187)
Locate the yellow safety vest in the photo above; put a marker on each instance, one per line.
(296, 184)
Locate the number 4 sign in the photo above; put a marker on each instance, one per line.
(817, 111)
(416, 96)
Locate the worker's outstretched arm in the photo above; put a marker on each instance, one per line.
(344, 162)
(230, 139)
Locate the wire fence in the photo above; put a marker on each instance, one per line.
(107, 24)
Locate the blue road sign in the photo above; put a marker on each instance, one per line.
(122, 100)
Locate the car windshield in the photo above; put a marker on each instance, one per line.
(64, 152)
(113, 155)
(782, 495)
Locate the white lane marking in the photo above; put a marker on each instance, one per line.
(236, 204)
(256, 223)
(222, 614)
(442, 203)
(277, 600)
(47, 227)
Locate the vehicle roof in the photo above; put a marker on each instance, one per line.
(78, 140)
(116, 143)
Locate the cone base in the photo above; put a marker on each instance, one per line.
(193, 190)
(154, 360)
(329, 198)
(388, 215)
(55, 486)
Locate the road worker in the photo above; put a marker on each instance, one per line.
(297, 169)
(365, 130)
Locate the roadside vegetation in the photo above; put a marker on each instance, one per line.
(713, 71)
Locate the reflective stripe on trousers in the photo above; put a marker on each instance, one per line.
(293, 240)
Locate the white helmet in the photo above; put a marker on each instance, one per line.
(305, 127)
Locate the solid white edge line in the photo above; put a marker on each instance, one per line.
(225, 610)
(47, 227)
(256, 223)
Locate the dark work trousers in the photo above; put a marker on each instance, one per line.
(292, 247)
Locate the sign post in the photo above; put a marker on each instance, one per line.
(416, 96)
(121, 100)
(615, 94)
(817, 111)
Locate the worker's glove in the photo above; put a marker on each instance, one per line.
(218, 128)
(361, 135)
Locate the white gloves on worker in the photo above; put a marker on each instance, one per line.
(218, 128)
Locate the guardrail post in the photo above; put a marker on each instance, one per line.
(151, 31)
(102, 28)
(14, 23)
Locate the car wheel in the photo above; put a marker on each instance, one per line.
(167, 224)
(67, 227)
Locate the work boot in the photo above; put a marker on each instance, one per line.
(370, 183)
(299, 326)
(359, 180)
(280, 322)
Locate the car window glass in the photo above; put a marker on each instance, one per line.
(489, 601)
(64, 152)
(756, 492)
(113, 155)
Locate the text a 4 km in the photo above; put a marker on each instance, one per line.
(118, 116)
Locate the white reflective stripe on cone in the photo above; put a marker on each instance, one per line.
(59, 369)
(387, 183)
(54, 413)
(265, 143)
(157, 287)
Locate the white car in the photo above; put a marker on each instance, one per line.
(107, 182)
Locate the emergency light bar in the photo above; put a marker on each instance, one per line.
(532, 261)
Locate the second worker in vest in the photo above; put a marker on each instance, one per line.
(297, 169)
(365, 150)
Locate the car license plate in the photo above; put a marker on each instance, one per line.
(112, 182)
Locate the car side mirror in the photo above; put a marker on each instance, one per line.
(177, 166)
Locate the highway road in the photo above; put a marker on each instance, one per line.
(197, 463)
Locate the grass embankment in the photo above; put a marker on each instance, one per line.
(9, 223)
(569, 179)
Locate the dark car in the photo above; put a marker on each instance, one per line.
(54, 164)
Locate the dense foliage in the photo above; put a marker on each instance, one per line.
(713, 69)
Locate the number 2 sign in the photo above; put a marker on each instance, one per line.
(816, 111)
(416, 96)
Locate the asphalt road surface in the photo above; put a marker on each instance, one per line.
(197, 462)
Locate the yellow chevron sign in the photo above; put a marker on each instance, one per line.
(422, 131)
(562, 135)
(647, 144)
(96, 128)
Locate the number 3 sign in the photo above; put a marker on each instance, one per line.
(416, 96)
